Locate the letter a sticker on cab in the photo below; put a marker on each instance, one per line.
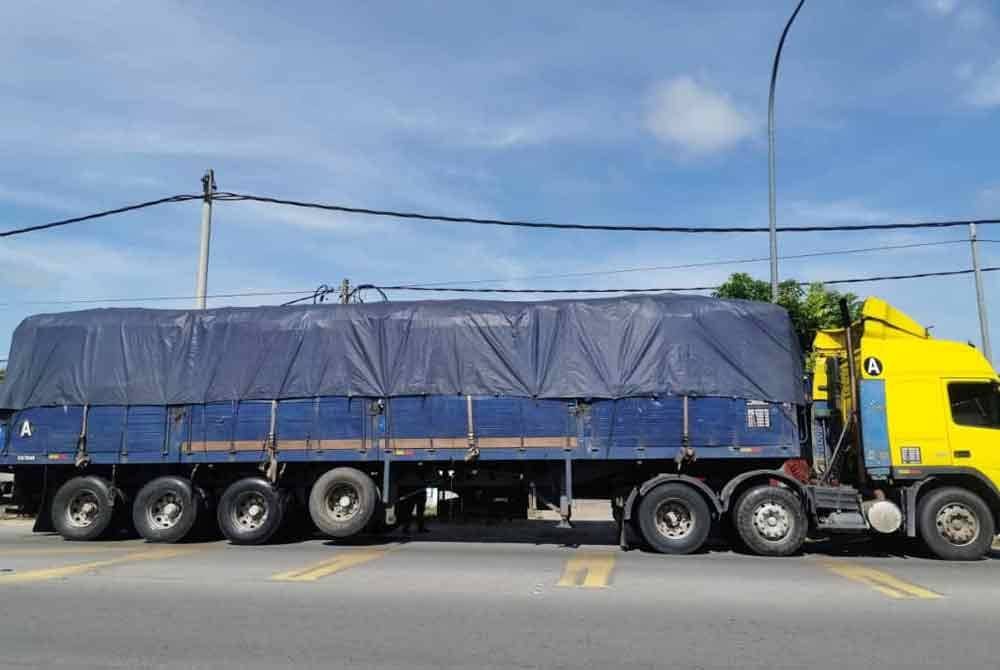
(873, 366)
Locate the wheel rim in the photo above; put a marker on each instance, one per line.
(344, 502)
(772, 521)
(958, 524)
(166, 511)
(674, 519)
(250, 510)
(83, 509)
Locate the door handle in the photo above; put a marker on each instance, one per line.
(963, 453)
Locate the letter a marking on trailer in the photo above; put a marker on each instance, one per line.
(873, 366)
(26, 429)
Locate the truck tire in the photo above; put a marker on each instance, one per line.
(251, 511)
(166, 509)
(770, 521)
(83, 508)
(674, 519)
(342, 502)
(955, 524)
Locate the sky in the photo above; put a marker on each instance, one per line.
(579, 112)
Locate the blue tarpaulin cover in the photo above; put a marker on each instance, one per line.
(641, 345)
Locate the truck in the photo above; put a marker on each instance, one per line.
(686, 413)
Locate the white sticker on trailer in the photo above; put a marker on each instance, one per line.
(758, 415)
(26, 428)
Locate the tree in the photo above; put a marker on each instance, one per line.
(811, 309)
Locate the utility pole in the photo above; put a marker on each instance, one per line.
(207, 189)
(773, 218)
(345, 291)
(984, 323)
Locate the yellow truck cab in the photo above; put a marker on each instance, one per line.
(913, 421)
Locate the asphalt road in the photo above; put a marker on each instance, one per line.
(485, 597)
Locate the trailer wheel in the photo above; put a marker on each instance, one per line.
(166, 509)
(955, 524)
(770, 521)
(342, 502)
(82, 508)
(251, 511)
(674, 519)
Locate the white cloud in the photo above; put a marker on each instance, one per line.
(847, 211)
(695, 118)
(984, 85)
(941, 7)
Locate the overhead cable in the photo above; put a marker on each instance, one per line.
(236, 197)
(310, 294)
(698, 264)
(851, 280)
(99, 215)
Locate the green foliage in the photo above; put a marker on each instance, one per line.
(811, 309)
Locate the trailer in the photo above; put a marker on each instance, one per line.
(683, 412)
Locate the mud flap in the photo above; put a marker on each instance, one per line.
(43, 515)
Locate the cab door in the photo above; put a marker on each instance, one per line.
(974, 425)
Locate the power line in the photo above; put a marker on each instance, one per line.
(157, 298)
(237, 197)
(850, 280)
(700, 264)
(311, 293)
(99, 215)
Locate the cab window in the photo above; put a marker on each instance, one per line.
(975, 404)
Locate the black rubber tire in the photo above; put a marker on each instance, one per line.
(927, 512)
(102, 495)
(697, 508)
(275, 502)
(366, 497)
(755, 542)
(142, 509)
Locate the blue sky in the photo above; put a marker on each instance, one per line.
(567, 111)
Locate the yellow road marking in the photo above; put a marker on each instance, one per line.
(80, 568)
(589, 571)
(882, 582)
(339, 563)
(60, 551)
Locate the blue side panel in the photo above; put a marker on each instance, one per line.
(253, 423)
(427, 427)
(874, 427)
(146, 436)
(598, 431)
(105, 433)
(501, 422)
(327, 428)
(227, 431)
(647, 428)
(742, 427)
(51, 436)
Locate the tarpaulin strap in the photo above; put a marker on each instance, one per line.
(314, 429)
(82, 459)
(686, 453)
(473, 452)
(271, 446)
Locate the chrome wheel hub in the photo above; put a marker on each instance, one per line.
(771, 521)
(674, 519)
(166, 511)
(83, 510)
(344, 502)
(958, 524)
(250, 511)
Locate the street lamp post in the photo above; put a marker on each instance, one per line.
(773, 221)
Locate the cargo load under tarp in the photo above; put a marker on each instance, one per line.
(646, 345)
